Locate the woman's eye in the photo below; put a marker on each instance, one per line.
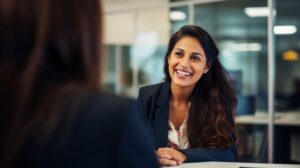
(179, 54)
(195, 58)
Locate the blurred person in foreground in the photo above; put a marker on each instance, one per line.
(190, 114)
(52, 114)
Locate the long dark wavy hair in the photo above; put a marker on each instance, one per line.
(210, 122)
(48, 48)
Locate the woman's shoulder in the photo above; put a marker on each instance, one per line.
(158, 94)
(93, 105)
(89, 120)
(97, 111)
(154, 88)
(108, 98)
(103, 102)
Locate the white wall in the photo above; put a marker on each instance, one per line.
(125, 21)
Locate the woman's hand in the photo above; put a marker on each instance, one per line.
(170, 157)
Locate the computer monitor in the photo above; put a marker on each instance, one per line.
(245, 105)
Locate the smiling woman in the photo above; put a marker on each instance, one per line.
(190, 115)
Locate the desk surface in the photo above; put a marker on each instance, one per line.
(291, 118)
(234, 165)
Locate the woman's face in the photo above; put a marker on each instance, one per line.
(187, 62)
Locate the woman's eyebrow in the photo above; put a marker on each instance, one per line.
(179, 49)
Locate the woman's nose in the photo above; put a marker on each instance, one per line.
(185, 62)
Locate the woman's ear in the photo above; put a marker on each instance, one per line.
(206, 68)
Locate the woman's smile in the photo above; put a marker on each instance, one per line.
(182, 73)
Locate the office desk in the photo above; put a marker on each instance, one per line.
(286, 125)
(289, 118)
(234, 165)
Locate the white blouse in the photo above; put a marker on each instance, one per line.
(177, 139)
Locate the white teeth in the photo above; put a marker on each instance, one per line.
(183, 73)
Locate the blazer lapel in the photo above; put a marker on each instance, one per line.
(162, 116)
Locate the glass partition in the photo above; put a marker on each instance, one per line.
(242, 40)
(287, 81)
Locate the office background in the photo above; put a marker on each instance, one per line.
(259, 47)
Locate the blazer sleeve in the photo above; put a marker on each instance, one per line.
(201, 154)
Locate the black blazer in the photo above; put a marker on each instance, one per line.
(105, 132)
(153, 101)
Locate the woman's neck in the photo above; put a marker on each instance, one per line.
(180, 94)
(179, 104)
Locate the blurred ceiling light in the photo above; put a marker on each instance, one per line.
(287, 29)
(257, 11)
(226, 53)
(177, 15)
(290, 55)
(240, 47)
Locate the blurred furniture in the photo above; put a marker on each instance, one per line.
(286, 129)
(288, 118)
